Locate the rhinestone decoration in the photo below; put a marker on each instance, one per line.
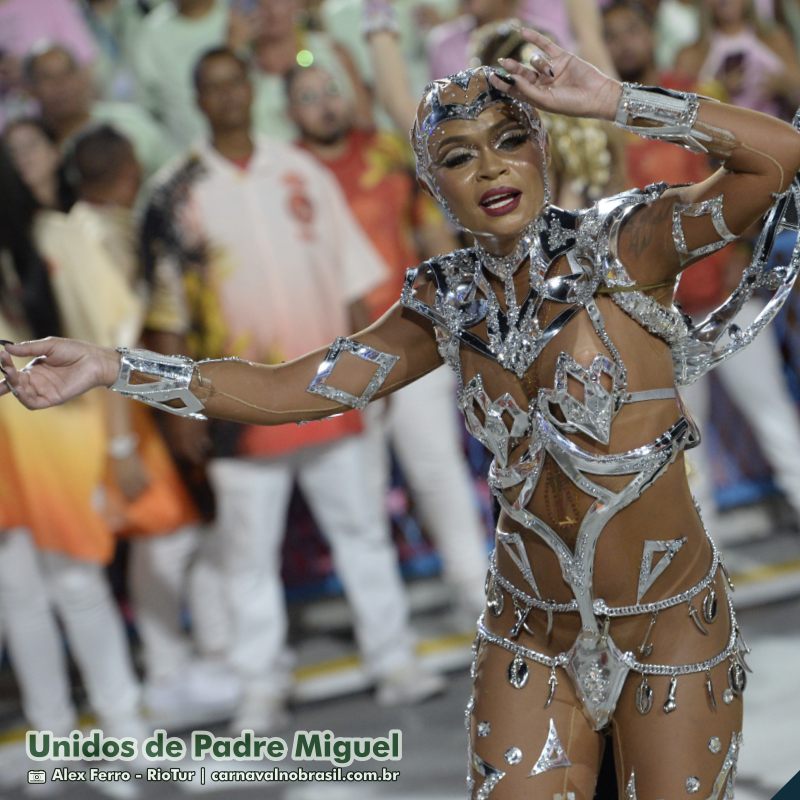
(692, 785)
(598, 673)
(483, 729)
(714, 744)
(648, 573)
(727, 775)
(513, 756)
(553, 755)
(515, 547)
(383, 361)
(630, 788)
(593, 414)
(727, 697)
(712, 208)
(492, 776)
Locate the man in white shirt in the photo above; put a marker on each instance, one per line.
(274, 265)
(172, 37)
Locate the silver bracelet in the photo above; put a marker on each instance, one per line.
(173, 376)
(675, 113)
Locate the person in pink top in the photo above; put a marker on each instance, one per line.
(448, 44)
(754, 62)
(26, 23)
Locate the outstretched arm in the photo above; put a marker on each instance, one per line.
(760, 156)
(396, 350)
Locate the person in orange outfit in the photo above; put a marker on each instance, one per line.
(374, 170)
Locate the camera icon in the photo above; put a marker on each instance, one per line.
(37, 776)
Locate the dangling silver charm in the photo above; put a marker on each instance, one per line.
(552, 682)
(646, 648)
(518, 672)
(494, 598)
(727, 576)
(712, 701)
(737, 677)
(694, 614)
(710, 606)
(671, 704)
(644, 697)
(520, 619)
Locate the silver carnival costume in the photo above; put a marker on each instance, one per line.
(582, 400)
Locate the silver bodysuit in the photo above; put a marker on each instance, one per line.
(519, 439)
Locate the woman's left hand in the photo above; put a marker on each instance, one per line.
(559, 81)
(60, 370)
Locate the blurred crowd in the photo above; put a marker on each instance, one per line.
(224, 178)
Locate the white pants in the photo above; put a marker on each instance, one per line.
(252, 499)
(421, 424)
(754, 380)
(32, 585)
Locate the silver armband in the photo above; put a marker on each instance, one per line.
(675, 115)
(173, 377)
(383, 364)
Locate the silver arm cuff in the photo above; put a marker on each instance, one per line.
(174, 376)
(675, 113)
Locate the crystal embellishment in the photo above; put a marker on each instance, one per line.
(515, 547)
(598, 672)
(483, 729)
(593, 414)
(714, 745)
(712, 208)
(491, 775)
(513, 756)
(553, 755)
(648, 574)
(630, 788)
(692, 785)
(383, 361)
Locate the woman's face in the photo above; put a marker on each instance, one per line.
(489, 171)
(35, 157)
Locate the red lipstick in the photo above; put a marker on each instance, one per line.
(500, 201)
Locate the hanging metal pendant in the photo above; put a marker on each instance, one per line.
(644, 697)
(712, 701)
(727, 576)
(520, 619)
(710, 606)
(695, 615)
(737, 677)
(671, 704)
(552, 682)
(518, 672)
(646, 647)
(494, 598)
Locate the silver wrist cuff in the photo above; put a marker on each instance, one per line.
(173, 378)
(674, 112)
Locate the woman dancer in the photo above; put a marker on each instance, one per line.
(561, 331)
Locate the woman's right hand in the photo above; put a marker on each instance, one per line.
(61, 369)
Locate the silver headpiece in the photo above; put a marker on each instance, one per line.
(441, 111)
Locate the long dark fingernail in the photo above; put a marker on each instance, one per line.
(6, 341)
(550, 72)
(509, 79)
